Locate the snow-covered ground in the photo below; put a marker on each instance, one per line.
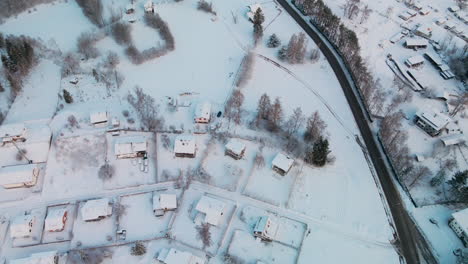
(338, 204)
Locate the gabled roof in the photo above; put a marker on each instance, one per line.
(54, 219)
(184, 144)
(94, 209)
(129, 145)
(164, 201)
(12, 130)
(436, 120)
(415, 60)
(212, 208)
(235, 146)
(203, 110)
(283, 162)
(98, 117)
(18, 174)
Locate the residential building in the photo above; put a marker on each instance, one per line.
(12, 132)
(175, 256)
(184, 146)
(459, 225)
(203, 113)
(454, 139)
(431, 122)
(266, 228)
(130, 147)
(56, 219)
(415, 61)
(210, 210)
(235, 149)
(22, 226)
(19, 176)
(95, 210)
(163, 203)
(416, 43)
(282, 164)
(97, 118)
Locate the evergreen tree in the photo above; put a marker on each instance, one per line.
(259, 18)
(459, 184)
(275, 115)
(282, 53)
(319, 153)
(1, 88)
(273, 41)
(438, 179)
(67, 96)
(263, 108)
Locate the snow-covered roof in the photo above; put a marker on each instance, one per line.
(454, 8)
(267, 226)
(441, 20)
(184, 144)
(462, 219)
(20, 225)
(453, 139)
(436, 120)
(18, 174)
(415, 60)
(129, 145)
(212, 208)
(435, 58)
(425, 10)
(416, 42)
(54, 219)
(203, 110)
(282, 161)
(174, 256)
(94, 209)
(47, 257)
(235, 146)
(148, 5)
(424, 29)
(450, 24)
(164, 201)
(12, 130)
(98, 117)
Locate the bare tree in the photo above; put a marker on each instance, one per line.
(205, 6)
(275, 116)
(122, 33)
(315, 55)
(71, 64)
(365, 14)
(459, 104)
(296, 49)
(351, 8)
(246, 68)
(389, 12)
(204, 234)
(416, 174)
(146, 109)
(233, 107)
(86, 47)
(93, 10)
(315, 127)
(294, 122)
(112, 60)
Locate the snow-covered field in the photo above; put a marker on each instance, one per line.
(326, 215)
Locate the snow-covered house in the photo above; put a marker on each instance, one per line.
(130, 8)
(459, 224)
(184, 146)
(441, 21)
(408, 14)
(425, 11)
(163, 203)
(22, 226)
(266, 228)
(212, 210)
(417, 6)
(175, 256)
(446, 72)
(56, 219)
(282, 164)
(13, 132)
(48, 257)
(431, 122)
(415, 61)
(416, 43)
(252, 9)
(424, 31)
(19, 176)
(95, 210)
(149, 6)
(454, 8)
(130, 147)
(434, 59)
(98, 118)
(454, 139)
(235, 149)
(203, 113)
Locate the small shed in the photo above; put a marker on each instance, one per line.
(441, 21)
(184, 146)
(416, 43)
(415, 61)
(22, 226)
(282, 164)
(13, 132)
(235, 149)
(266, 228)
(454, 8)
(425, 11)
(48, 257)
(149, 6)
(56, 219)
(130, 147)
(175, 256)
(19, 176)
(203, 113)
(98, 118)
(164, 202)
(211, 208)
(454, 139)
(424, 31)
(95, 210)
(434, 58)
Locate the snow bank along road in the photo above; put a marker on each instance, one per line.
(410, 240)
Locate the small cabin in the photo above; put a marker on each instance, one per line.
(22, 226)
(97, 118)
(163, 203)
(454, 8)
(414, 43)
(424, 31)
(266, 228)
(210, 210)
(415, 61)
(56, 219)
(235, 149)
(95, 210)
(203, 113)
(130, 147)
(184, 146)
(282, 164)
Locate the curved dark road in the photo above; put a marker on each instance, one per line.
(410, 243)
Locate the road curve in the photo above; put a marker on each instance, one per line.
(409, 237)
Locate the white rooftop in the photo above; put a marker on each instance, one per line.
(267, 225)
(212, 208)
(282, 161)
(203, 110)
(20, 225)
(415, 60)
(37, 258)
(235, 146)
(94, 209)
(12, 130)
(18, 174)
(54, 219)
(98, 117)
(416, 42)
(437, 120)
(453, 139)
(434, 57)
(174, 256)
(164, 201)
(462, 219)
(129, 145)
(184, 144)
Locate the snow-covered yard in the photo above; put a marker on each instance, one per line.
(67, 233)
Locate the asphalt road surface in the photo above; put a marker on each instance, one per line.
(410, 243)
